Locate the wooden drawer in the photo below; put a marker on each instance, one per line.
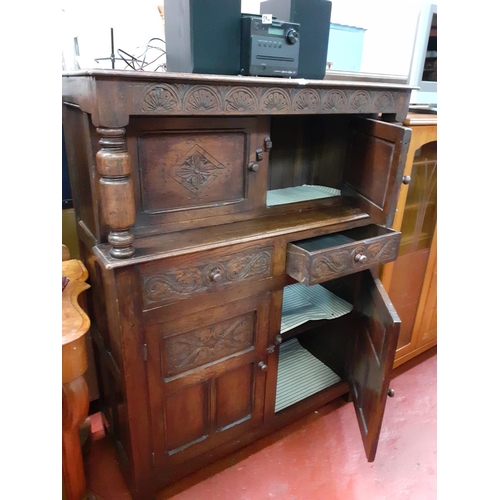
(179, 278)
(320, 259)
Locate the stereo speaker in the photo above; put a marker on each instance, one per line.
(203, 36)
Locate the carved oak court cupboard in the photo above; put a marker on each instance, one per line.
(231, 227)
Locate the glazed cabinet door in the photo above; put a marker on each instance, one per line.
(374, 346)
(374, 167)
(206, 373)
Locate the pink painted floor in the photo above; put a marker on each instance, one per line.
(319, 457)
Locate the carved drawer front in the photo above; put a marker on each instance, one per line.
(178, 279)
(320, 259)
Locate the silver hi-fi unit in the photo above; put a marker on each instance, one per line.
(269, 48)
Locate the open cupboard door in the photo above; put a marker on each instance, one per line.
(374, 347)
(374, 167)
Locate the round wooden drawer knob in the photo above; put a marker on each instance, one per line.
(215, 275)
(360, 258)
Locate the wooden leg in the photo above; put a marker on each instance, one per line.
(75, 407)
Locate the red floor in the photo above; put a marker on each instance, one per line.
(320, 457)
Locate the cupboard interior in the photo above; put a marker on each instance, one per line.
(313, 356)
(307, 158)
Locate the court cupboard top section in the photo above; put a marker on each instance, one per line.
(140, 93)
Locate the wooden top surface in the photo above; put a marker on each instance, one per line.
(75, 322)
(420, 119)
(333, 80)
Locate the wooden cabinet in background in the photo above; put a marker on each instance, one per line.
(411, 280)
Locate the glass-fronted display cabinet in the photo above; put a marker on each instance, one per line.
(412, 279)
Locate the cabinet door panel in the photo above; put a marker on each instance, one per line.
(377, 330)
(188, 170)
(186, 416)
(205, 383)
(234, 395)
(374, 167)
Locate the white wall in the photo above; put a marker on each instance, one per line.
(390, 29)
(134, 23)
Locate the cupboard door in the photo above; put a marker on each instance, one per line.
(188, 170)
(377, 330)
(207, 375)
(374, 167)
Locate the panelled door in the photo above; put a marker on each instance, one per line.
(376, 331)
(206, 374)
(374, 167)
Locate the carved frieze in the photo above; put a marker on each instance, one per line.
(195, 348)
(161, 98)
(182, 282)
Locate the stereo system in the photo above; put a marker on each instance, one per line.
(269, 49)
(214, 37)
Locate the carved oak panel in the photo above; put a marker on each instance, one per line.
(204, 345)
(177, 283)
(182, 170)
(180, 98)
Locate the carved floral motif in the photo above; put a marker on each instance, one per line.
(214, 342)
(170, 285)
(240, 100)
(306, 100)
(383, 101)
(329, 264)
(275, 100)
(161, 98)
(360, 101)
(335, 100)
(201, 98)
(196, 169)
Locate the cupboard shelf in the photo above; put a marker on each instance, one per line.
(300, 375)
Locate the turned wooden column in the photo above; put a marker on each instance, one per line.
(116, 191)
(75, 396)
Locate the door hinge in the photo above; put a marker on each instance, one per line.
(145, 352)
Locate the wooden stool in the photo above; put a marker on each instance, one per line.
(75, 396)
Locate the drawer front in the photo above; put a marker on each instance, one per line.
(320, 259)
(175, 279)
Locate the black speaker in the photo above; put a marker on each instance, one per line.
(314, 19)
(203, 36)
